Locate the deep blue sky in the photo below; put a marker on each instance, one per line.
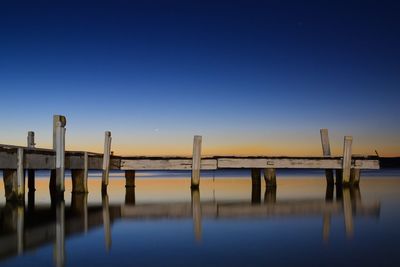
(250, 76)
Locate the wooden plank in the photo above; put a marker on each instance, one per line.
(297, 163)
(346, 159)
(196, 161)
(165, 164)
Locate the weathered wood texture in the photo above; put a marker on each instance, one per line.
(196, 161)
(106, 158)
(346, 164)
(326, 152)
(45, 159)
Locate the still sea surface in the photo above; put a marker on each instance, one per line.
(161, 222)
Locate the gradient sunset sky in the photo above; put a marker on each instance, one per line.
(251, 77)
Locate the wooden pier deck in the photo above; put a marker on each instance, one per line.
(15, 161)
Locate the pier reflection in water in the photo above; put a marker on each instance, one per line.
(24, 229)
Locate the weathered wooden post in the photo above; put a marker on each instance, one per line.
(106, 161)
(270, 177)
(57, 177)
(196, 213)
(355, 175)
(80, 176)
(14, 179)
(255, 186)
(31, 139)
(270, 195)
(346, 167)
(326, 150)
(196, 161)
(31, 172)
(20, 175)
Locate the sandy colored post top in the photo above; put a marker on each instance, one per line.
(347, 158)
(196, 160)
(31, 139)
(58, 120)
(326, 150)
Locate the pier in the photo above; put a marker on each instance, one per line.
(17, 161)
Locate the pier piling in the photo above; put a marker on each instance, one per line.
(106, 160)
(80, 177)
(196, 161)
(59, 123)
(270, 177)
(129, 178)
(346, 160)
(326, 150)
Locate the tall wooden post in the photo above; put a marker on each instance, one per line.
(58, 175)
(106, 160)
(346, 159)
(31, 172)
(196, 161)
(326, 150)
(20, 175)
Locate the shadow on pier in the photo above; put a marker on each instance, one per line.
(24, 228)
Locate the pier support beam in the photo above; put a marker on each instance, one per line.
(270, 195)
(326, 150)
(80, 177)
(270, 177)
(346, 160)
(130, 197)
(255, 186)
(106, 161)
(14, 180)
(355, 175)
(129, 178)
(196, 161)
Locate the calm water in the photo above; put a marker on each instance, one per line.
(162, 223)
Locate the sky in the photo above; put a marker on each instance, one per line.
(251, 77)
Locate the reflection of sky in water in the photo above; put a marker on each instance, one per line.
(297, 239)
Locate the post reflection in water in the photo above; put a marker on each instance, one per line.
(196, 213)
(59, 246)
(39, 225)
(106, 220)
